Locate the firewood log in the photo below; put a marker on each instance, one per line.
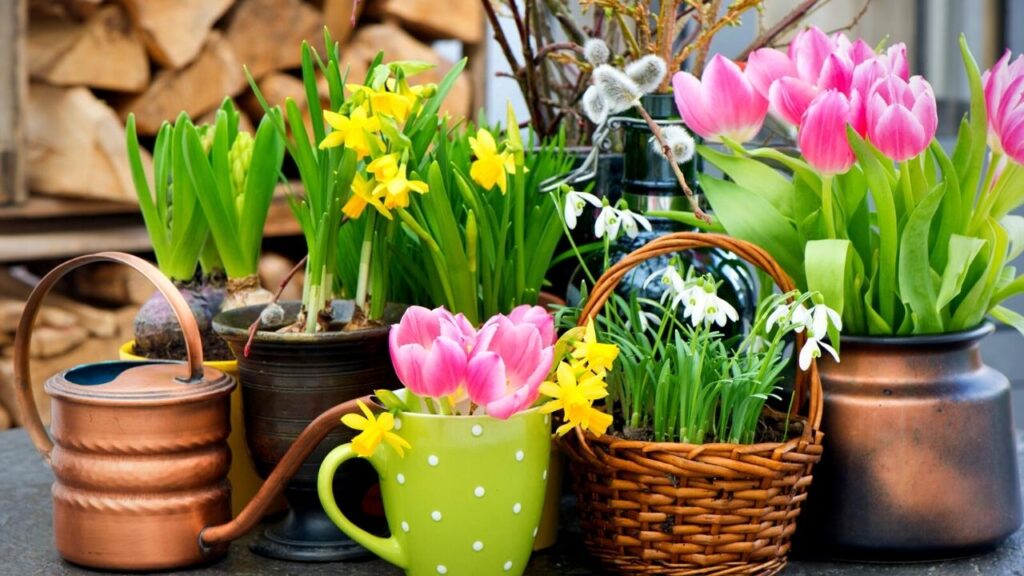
(338, 18)
(111, 284)
(266, 34)
(434, 19)
(175, 31)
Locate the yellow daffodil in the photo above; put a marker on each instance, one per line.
(387, 102)
(574, 394)
(374, 430)
(395, 189)
(598, 357)
(362, 195)
(352, 131)
(384, 167)
(490, 167)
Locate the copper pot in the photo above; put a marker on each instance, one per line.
(920, 460)
(138, 448)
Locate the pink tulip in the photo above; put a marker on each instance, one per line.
(901, 116)
(765, 66)
(723, 103)
(508, 365)
(857, 51)
(539, 317)
(822, 135)
(1004, 99)
(429, 350)
(809, 50)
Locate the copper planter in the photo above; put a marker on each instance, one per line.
(288, 380)
(920, 460)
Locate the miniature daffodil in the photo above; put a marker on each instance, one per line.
(490, 167)
(597, 356)
(574, 393)
(362, 195)
(352, 131)
(373, 431)
(387, 102)
(395, 188)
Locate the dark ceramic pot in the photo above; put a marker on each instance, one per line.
(920, 460)
(288, 380)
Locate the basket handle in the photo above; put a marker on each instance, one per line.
(23, 337)
(681, 241)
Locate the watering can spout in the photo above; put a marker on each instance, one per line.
(304, 445)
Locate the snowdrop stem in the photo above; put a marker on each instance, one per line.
(826, 206)
(667, 151)
(607, 249)
(572, 242)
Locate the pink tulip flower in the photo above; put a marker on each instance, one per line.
(822, 136)
(723, 103)
(508, 364)
(539, 317)
(429, 350)
(901, 116)
(1004, 99)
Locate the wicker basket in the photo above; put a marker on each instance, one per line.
(686, 509)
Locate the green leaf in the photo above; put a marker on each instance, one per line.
(827, 264)
(750, 217)
(969, 178)
(962, 252)
(1014, 226)
(1008, 317)
(915, 280)
(756, 176)
(953, 219)
(972, 309)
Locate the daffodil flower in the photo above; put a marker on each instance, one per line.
(373, 431)
(598, 356)
(352, 131)
(575, 202)
(384, 167)
(490, 167)
(395, 188)
(575, 395)
(362, 195)
(387, 102)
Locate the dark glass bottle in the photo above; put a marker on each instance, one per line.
(649, 184)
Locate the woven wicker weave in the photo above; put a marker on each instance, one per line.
(685, 509)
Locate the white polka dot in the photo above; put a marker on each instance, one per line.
(398, 423)
(508, 566)
(517, 508)
(436, 515)
(478, 545)
(400, 478)
(405, 526)
(477, 430)
(520, 456)
(479, 491)
(432, 460)
(441, 569)
(544, 475)
(534, 532)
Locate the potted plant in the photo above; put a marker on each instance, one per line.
(182, 236)
(699, 476)
(463, 450)
(912, 246)
(300, 358)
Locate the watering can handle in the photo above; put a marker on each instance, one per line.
(23, 338)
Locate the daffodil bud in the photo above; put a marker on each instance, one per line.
(616, 88)
(679, 142)
(596, 51)
(647, 72)
(594, 105)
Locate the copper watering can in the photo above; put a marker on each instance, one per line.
(139, 449)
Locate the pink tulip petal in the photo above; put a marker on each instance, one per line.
(420, 325)
(822, 135)
(926, 113)
(837, 73)
(445, 368)
(808, 51)
(858, 114)
(860, 51)
(1013, 136)
(408, 361)
(767, 65)
(538, 317)
(737, 105)
(896, 59)
(898, 134)
(789, 98)
(691, 105)
(485, 380)
(866, 75)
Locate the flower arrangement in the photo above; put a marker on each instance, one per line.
(898, 235)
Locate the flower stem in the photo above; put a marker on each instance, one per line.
(826, 206)
(365, 254)
(667, 150)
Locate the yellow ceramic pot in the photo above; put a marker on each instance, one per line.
(244, 480)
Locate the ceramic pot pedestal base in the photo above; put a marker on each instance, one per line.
(275, 543)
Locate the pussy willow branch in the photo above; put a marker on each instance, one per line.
(255, 326)
(671, 158)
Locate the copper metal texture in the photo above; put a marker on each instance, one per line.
(919, 452)
(288, 380)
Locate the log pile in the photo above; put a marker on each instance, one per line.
(87, 321)
(92, 62)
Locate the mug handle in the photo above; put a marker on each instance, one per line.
(387, 548)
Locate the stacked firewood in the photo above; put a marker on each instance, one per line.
(92, 62)
(87, 320)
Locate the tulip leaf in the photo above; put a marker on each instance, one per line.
(827, 264)
(971, 310)
(876, 324)
(971, 167)
(953, 219)
(797, 166)
(917, 290)
(750, 217)
(755, 176)
(1008, 317)
(1014, 226)
(962, 252)
(1009, 190)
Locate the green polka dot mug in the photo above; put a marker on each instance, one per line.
(466, 500)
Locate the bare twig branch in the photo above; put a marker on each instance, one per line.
(670, 157)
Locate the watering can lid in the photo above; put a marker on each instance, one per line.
(137, 383)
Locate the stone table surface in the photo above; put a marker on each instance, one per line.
(26, 547)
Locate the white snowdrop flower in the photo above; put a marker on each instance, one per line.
(647, 72)
(720, 311)
(778, 316)
(631, 222)
(679, 141)
(608, 222)
(675, 285)
(801, 318)
(702, 304)
(812, 349)
(821, 317)
(596, 51)
(594, 105)
(692, 299)
(575, 202)
(618, 90)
